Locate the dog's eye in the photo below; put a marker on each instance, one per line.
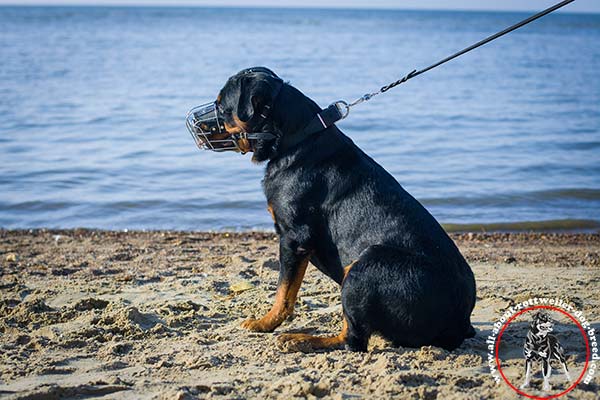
(224, 111)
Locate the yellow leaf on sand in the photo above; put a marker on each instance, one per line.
(240, 287)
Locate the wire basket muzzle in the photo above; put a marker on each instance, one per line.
(208, 129)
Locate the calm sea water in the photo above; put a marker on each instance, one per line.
(92, 106)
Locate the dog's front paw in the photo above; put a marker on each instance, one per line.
(257, 325)
(525, 385)
(293, 342)
(546, 387)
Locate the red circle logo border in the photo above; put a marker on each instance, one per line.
(587, 353)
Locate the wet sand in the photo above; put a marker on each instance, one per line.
(156, 315)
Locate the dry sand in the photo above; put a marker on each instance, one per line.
(90, 314)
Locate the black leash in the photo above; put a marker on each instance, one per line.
(340, 109)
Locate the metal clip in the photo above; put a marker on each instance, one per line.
(343, 108)
(363, 98)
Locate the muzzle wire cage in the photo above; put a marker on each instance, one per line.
(208, 130)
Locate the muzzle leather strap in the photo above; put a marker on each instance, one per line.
(264, 115)
(260, 136)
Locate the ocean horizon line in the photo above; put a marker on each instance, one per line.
(289, 7)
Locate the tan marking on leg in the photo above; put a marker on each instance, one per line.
(270, 210)
(305, 343)
(285, 300)
(347, 269)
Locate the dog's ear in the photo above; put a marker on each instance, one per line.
(534, 321)
(257, 89)
(533, 325)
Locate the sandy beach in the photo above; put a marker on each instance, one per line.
(156, 315)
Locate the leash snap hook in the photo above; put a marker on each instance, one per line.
(343, 108)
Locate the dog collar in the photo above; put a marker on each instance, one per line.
(321, 121)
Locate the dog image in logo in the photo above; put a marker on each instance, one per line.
(541, 346)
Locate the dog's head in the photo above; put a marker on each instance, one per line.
(255, 112)
(541, 324)
(246, 103)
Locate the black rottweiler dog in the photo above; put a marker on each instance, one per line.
(333, 205)
(541, 346)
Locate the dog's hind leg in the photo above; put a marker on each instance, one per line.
(546, 371)
(357, 338)
(527, 374)
(351, 336)
(560, 354)
(306, 343)
(567, 375)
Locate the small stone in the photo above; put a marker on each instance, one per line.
(321, 389)
(181, 395)
(164, 364)
(90, 304)
(11, 257)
